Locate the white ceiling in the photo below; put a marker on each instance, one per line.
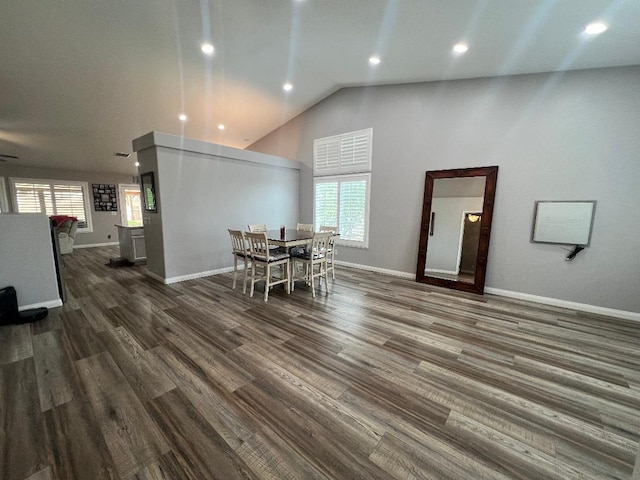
(79, 79)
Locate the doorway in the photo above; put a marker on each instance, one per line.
(131, 205)
(469, 238)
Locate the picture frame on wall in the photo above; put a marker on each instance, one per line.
(148, 192)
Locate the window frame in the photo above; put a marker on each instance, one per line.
(5, 207)
(42, 181)
(367, 205)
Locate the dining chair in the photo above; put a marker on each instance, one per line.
(305, 227)
(315, 256)
(332, 249)
(262, 257)
(240, 251)
(258, 227)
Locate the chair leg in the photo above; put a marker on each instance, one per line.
(326, 278)
(253, 277)
(313, 288)
(286, 265)
(244, 282)
(267, 281)
(235, 271)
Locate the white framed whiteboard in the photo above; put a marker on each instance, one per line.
(563, 222)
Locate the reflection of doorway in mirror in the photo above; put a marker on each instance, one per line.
(468, 250)
(131, 202)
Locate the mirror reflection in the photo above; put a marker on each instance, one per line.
(456, 214)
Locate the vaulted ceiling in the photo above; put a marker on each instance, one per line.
(79, 79)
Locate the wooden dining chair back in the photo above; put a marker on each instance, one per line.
(332, 249)
(265, 258)
(258, 227)
(315, 256)
(240, 251)
(305, 227)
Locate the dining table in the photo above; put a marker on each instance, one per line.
(291, 238)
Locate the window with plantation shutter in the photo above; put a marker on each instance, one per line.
(341, 184)
(346, 153)
(343, 201)
(53, 197)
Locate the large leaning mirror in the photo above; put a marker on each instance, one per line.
(456, 226)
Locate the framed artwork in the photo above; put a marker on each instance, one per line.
(148, 192)
(105, 197)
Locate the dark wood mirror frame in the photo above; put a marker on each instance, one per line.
(491, 174)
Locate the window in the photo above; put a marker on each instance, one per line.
(130, 205)
(341, 185)
(53, 197)
(343, 201)
(346, 153)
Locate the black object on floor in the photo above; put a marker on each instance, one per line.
(9, 309)
(8, 306)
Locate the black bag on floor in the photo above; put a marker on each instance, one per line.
(8, 306)
(9, 309)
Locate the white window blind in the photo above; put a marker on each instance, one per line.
(53, 197)
(346, 153)
(344, 202)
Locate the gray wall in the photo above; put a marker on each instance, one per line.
(26, 259)
(103, 222)
(201, 195)
(571, 136)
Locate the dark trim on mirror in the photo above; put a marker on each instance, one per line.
(491, 174)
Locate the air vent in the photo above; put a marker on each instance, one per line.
(4, 157)
(121, 154)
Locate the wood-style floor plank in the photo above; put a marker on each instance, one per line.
(381, 378)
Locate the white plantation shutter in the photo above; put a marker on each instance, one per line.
(53, 197)
(69, 200)
(33, 198)
(346, 153)
(326, 195)
(343, 201)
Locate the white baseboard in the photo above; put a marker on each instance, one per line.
(191, 276)
(395, 273)
(582, 307)
(155, 276)
(49, 304)
(92, 245)
(555, 302)
(436, 270)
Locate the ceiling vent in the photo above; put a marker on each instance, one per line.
(4, 157)
(121, 154)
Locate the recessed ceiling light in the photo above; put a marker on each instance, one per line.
(595, 28)
(460, 48)
(137, 164)
(221, 127)
(207, 49)
(287, 87)
(374, 60)
(182, 117)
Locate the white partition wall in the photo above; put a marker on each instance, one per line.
(26, 259)
(202, 189)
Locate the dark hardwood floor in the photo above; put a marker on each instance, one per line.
(383, 378)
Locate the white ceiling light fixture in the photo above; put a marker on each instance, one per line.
(207, 49)
(460, 48)
(182, 117)
(221, 127)
(137, 164)
(374, 60)
(287, 87)
(595, 28)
